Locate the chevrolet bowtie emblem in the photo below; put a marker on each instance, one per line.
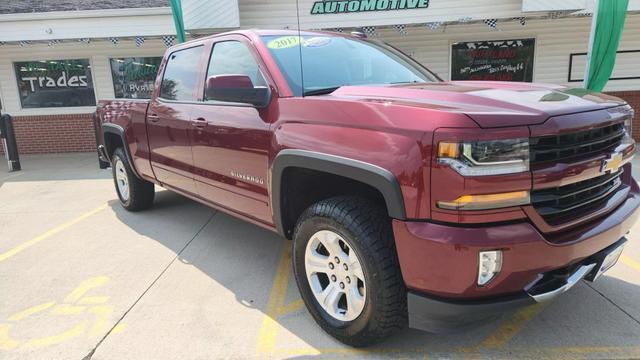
(612, 164)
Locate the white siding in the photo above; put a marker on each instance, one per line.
(97, 52)
(279, 14)
(555, 40)
(282, 13)
(553, 5)
(86, 24)
(207, 14)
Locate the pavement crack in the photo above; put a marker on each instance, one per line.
(614, 304)
(92, 351)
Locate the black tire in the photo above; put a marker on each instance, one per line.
(367, 229)
(141, 192)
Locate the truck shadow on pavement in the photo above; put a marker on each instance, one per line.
(595, 320)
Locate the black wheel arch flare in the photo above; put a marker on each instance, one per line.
(119, 131)
(379, 178)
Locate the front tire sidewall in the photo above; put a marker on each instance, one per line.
(303, 236)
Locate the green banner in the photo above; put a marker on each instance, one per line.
(176, 9)
(609, 23)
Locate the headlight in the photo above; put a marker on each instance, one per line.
(481, 158)
(628, 123)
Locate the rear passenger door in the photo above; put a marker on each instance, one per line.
(169, 116)
(230, 141)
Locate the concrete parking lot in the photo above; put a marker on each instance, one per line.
(81, 278)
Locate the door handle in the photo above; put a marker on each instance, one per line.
(199, 122)
(153, 117)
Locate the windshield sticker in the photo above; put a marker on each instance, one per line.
(316, 42)
(284, 42)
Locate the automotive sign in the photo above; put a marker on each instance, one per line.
(354, 6)
(504, 60)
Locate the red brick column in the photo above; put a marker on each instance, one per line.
(633, 98)
(47, 134)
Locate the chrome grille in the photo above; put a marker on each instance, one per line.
(560, 204)
(569, 147)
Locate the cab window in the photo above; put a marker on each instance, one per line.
(234, 58)
(181, 74)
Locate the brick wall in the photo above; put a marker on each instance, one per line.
(633, 98)
(54, 134)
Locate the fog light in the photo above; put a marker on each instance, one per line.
(489, 265)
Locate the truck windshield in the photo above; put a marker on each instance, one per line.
(333, 61)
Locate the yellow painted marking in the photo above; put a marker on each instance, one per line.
(30, 311)
(290, 307)
(269, 328)
(118, 328)
(86, 285)
(512, 326)
(101, 325)
(56, 339)
(6, 342)
(66, 309)
(93, 300)
(97, 306)
(630, 262)
(50, 233)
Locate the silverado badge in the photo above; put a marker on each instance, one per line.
(251, 178)
(612, 163)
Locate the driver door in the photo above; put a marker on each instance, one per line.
(230, 141)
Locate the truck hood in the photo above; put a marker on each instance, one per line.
(488, 103)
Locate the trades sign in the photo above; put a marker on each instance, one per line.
(354, 6)
(504, 60)
(55, 83)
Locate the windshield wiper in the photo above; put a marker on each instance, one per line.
(404, 82)
(322, 91)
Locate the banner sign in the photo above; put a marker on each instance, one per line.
(55, 83)
(355, 6)
(134, 77)
(504, 60)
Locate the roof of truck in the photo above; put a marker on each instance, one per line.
(253, 33)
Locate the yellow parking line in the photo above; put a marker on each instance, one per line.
(269, 328)
(630, 262)
(291, 307)
(50, 233)
(512, 326)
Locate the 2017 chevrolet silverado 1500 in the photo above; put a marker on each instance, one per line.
(408, 199)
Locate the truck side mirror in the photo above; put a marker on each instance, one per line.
(238, 89)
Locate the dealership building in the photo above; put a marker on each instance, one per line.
(58, 59)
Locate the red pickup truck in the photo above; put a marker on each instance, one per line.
(408, 199)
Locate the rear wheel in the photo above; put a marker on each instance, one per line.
(347, 270)
(134, 193)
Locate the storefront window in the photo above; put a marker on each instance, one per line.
(134, 77)
(504, 60)
(55, 83)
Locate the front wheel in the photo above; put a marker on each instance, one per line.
(134, 193)
(347, 270)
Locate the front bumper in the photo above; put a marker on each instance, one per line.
(439, 262)
(440, 315)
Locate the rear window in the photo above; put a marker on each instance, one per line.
(181, 74)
